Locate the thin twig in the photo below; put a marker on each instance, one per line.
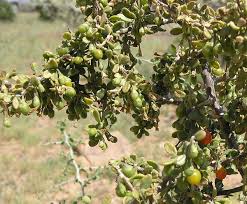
(230, 191)
(122, 176)
(54, 143)
(73, 161)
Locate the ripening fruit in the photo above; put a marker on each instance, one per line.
(218, 72)
(52, 64)
(41, 88)
(104, 2)
(101, 93)
(96, 115)
(141, 31)
(24, 108)
(60, 105)
(128, 171)
(200, 135)
(67, 36)
(83, 28)
(195, 177)
(134, 94)
(97, 53)
(62, 51)
(121, 190)
(86, 200)
(6, 123)
(77, 60)
(88, 101)
(208, 139)
(217, 49)
(138, 102)
(70, 92)
(207, 50)
(89, 33)
(193, 151)
(221, 173)
(102, 145)
(92, 132)
(116, 81)
(63, 80)
(36, 102)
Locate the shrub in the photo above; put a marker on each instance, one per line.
(47, 10)
(6, 11)
(204, 75)
(62, 10)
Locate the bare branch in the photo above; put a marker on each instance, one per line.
(210, 89)
(230, 191)
(209, 84)
(76, 166)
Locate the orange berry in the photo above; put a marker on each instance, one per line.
(208, 139)
(221, 173)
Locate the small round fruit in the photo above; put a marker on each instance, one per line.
(195, 178)
(92, 132)
(70, 92)
(104, 2)
(193, 151)
(208, 139)
(67, 36)
(138, 102)
(200, 135)
(97, 53)
(83, 28)
(128, 171)
(62, 51)
(52, 64)
(6, 123)
(24, 108)
(141, 31)
(121, 190)
(77, 60)
(218, 72)
(221, 173)
(86, 199)
(36, 102)
(88, 101)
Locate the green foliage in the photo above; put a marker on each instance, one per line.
(47, 10)
(51, 10)
(94, 72)
(6, 11)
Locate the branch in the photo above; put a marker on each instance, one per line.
(122, 176)
(210, 89)
(230, 191)
(76, 166)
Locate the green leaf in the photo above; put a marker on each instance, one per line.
(170, 148)
(153, 164)
(15, 103)
(120, 17)
(181, 159)
(176, 31)
(169, 162)
(146, 182)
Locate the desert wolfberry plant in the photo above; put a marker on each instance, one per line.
(204, 74)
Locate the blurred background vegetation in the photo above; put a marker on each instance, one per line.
(35, 171)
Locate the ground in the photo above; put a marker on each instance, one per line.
(32, 169)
